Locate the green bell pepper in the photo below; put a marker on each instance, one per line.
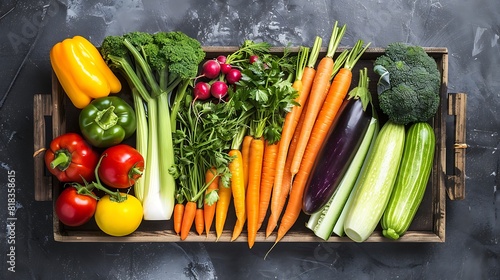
(107, 121)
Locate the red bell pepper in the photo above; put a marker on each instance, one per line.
(71, 159)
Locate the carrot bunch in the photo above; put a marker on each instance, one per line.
(305, 72)
(201, 167)
(282, 110)
(312, 82)
(317, 129)
(209, 207)
(265, 91)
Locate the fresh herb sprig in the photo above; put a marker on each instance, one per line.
(266, 88)
(203, 136)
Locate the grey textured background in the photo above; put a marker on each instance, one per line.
(469, 29)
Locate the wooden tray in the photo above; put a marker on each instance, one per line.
(54, 115)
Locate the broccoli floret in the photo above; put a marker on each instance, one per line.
(145, 45)
(410, 91)
(151, 53)
(183, 54)
(113, 47)
(154, 64)
(139, 39)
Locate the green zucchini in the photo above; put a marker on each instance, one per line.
(376, 183)
(411, 182)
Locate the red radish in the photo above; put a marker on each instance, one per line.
(225, 68)
(233, 76)
(253, 58)
(211, 69)
(221, 59)
(201, 91)
(218, 89)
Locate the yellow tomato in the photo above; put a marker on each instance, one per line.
(118, 218)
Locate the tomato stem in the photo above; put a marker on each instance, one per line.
(114, 196)
(85, 189)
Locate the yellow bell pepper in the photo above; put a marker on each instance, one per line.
(81, 71)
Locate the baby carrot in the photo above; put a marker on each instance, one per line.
(221, 209)
(267, 180)
(209, 210)
(188, 219)
(178, 214)
(199, 223)
(253, 189)
(245, 150)
(238, 188)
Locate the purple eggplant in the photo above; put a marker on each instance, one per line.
(335, 155)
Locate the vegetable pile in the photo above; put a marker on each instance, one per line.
(255, 134)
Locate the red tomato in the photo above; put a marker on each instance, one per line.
(121, 166)
(74, 209)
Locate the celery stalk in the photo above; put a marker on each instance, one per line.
(159, 190)
(141, 139)
(152, 203)
(166, 156)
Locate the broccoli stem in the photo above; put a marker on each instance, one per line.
(179, 98)
(163, 78)
(141, 138)
(130, 75)
(146, 69)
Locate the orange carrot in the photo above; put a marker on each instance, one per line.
(209, 210)
(336, 94)
(294, 205)
(267, 180)
(245, 150)
(340, 84)
(238, 227)
(303, 82)
(199, 223)
(238, 190)
(188, 219)
(317, 94)
(178, 213)
(222, 208)
(287, 180)
(253, 189)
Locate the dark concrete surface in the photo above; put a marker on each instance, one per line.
(469, 29)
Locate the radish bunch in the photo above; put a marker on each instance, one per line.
(218, 77)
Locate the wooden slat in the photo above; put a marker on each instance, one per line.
(58, 112)
(42, 107)
(170, 236)
(457, 104)
(58, 128)
(439, 167)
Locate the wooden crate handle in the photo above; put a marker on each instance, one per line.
(455, 187)
(42, 107)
